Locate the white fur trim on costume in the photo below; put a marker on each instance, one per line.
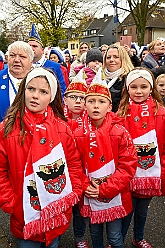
(137, 74)
(36, 72)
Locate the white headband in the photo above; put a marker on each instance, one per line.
(137, 74)
(36, 72)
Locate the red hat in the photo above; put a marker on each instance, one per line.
(100, 90)
(77, 86)
(78, 83)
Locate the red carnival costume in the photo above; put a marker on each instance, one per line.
(79, 87)
(109, 158)
(40, 195)
(148, 133)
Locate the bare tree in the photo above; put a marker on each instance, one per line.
(140, 11)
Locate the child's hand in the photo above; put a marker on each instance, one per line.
(92, 191)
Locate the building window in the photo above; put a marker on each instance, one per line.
(85, 33)
(130, 30)
(93, 31)
(125, 32)
(77, 46)
(72, 46)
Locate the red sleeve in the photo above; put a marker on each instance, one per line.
(125, 158)
(6, 190)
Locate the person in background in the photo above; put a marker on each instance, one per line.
(117, 65)
(132, 52)
(1, 63)
(46, 52)
(143, 52)
(103, 48)
(56, 55)
(6, 60)
(155, 59)
(38, 147)
(68, 59)
(134, 48)
(20, 57)
(143, 115)
(83, 47)
(109, 161)
(93, 61)
(156, 56)
(160, 84)
(40, 60)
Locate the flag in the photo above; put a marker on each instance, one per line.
(115, 16)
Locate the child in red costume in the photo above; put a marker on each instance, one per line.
(109, 160)
(74, 99)
(74, 111)
(144, 117)
(40, 167)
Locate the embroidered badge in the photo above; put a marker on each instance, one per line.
(136, 119)
(91, 154)
(17, 85)
(42, 141)
(3, 87)
(146, 155)
(51, 143)
(102, 158)
(144, 125)
(34, 200)
(53, 176)
(5, 76)
(99, 181)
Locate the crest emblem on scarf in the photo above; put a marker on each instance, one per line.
(99, 181)
(146, 155)
(34, 200)
(53, 176)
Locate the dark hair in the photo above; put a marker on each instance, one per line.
(123, 107)
(18, 106)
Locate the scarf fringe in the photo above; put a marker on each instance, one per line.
(52, 216)
(150, 186)
(101, 216)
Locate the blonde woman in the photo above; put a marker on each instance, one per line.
(117, 64)
(83, 48)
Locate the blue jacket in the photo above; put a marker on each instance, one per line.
(55, 67)
(4, 93)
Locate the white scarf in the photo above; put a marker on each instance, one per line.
(111, 77)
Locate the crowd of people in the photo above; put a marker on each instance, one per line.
(82, 138)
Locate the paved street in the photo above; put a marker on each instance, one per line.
(154, 234)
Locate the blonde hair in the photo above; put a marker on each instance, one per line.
(123, 107)
(159, 77)
(82, 43)
(151, 45)
(126, 64)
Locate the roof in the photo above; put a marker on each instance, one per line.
(99, 24)
(156, 20)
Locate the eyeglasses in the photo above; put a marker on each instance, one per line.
(75, 98)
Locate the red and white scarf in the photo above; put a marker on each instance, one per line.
(47, 192)
(141, 125)
(99, 166)
(71, 122)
